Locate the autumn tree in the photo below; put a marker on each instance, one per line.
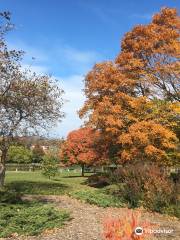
(79, 147)
(105, 89)
(138, 91)
(29, 103)
(150, 56)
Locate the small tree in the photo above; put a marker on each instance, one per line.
(49, 166)
(79, 148)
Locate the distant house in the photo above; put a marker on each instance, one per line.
(44, 148)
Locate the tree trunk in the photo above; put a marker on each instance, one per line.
(2, 175)
(82, 166)
(3, 167)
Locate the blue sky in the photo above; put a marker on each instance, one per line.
(67, 37)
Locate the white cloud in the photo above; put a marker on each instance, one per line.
(72, 54)
(73, 86)
(76, 60)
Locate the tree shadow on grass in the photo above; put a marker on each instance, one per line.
(41, 188)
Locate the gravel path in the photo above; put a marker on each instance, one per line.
(87, 221)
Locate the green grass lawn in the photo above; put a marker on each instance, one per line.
(65, 183)
(36, 183)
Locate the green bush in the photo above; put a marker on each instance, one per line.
(175, 176)
(97, 198)
(112, 189)
(29, 218)
(9, 196)
(173, 210)
(37, 154)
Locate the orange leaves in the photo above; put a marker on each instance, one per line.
(152, 151)
(103, 83)
(150, 55)
(167, 17)
(126, 139)
(147, 140)
(105, 88)
(79, 148)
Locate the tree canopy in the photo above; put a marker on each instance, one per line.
(133, 101)
(79, 148)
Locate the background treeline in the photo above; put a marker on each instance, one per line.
(27, 150)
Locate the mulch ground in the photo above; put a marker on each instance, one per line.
(87, 221)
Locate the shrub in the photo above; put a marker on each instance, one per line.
(98, 181)
(132, 178)
(159, 191)
(148, 186)
(97, 198)
(19, 154)
(9, 196)
(37, 153)
(117, 176)
(173, 210)
(123, 228)
(29, 218)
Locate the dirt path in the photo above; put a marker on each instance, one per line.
(87, 221)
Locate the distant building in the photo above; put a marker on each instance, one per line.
(44, 148)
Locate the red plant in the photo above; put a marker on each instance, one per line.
(123, 228)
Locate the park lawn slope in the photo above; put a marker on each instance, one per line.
(64, 184)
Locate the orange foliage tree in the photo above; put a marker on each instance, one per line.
(108, 103)
(79, 147)
(133, 100)
(150, 56)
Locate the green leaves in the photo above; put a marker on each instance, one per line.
(49, 166)
(19, 154)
